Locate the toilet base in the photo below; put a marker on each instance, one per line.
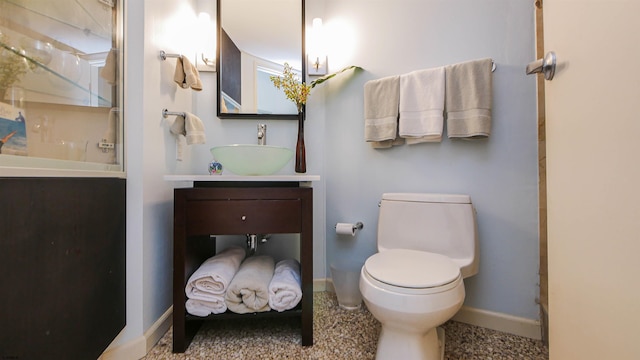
(441, 341)
(399, 344)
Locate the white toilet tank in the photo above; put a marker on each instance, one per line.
(438, 223)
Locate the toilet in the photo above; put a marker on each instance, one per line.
(427, 243)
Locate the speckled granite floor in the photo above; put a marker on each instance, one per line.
(338, 334)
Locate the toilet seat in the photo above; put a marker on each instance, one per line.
(411, 271)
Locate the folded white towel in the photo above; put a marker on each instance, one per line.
(249, 289)
(284, 290)
(468, 99)
(205, 308)
(422, 105)
(186, 75)
(381, 99)
(210, 281)
(189, 126)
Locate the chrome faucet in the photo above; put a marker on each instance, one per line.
(262, 134)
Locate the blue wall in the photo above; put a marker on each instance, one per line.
(500, 174)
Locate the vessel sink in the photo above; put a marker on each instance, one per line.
(250, 159)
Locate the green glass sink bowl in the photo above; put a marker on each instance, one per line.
(250, 159)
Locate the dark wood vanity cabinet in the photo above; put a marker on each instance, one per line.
(62, 266)
(213, 208)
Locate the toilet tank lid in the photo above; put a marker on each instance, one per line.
(428, 197)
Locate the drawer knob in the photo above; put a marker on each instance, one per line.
(244, 217)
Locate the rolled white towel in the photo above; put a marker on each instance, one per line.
(205, 308)
(284, 290)
(249, 289)
(213, 277)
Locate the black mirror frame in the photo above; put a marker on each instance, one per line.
(250, 116)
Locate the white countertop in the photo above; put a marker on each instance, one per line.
(291, 178)
(29, 166)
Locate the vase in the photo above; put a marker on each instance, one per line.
(301, 157)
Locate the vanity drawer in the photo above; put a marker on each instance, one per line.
(243, 217)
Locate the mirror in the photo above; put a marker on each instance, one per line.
(255, 39)
(54, 51)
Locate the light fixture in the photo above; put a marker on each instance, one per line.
(206, 57)
(317, 56)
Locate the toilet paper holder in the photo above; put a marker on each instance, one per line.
(357, 226)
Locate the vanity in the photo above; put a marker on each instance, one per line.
(213, 206)
(238, 205)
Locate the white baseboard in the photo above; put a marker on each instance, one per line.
(158, 329)
(319, 285)
(139, 347)
(487, 319)
(499, 321)
(133, 350)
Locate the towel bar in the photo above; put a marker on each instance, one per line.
(164, 55)
(166, 113)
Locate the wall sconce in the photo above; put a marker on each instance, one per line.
(317, 55)
(206, 53)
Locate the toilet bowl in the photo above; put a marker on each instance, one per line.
(410, 307)
(415, 281)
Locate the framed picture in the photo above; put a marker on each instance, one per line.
(13, 132)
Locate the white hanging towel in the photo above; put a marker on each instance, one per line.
(186, 75)
(109, 72)
(422, 105)
(468, 99)
(381, 99)
(110, 135)
(189, 126)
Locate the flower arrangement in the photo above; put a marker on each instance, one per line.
(298, 91)
(12, 65)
